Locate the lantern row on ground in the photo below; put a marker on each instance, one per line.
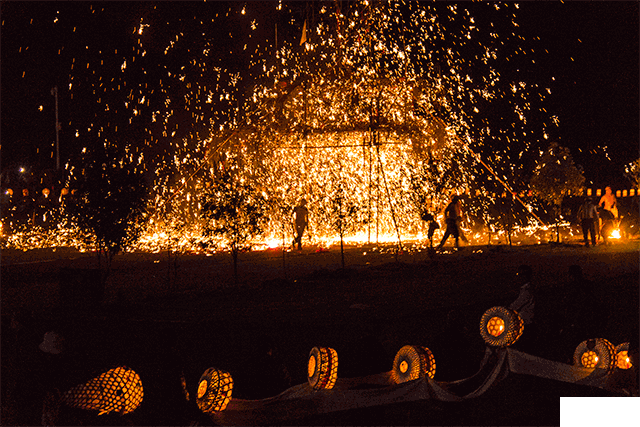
(501, 327)
(118, 389)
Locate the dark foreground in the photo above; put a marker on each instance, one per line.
(166, 318)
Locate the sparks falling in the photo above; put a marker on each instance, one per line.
(400, 104)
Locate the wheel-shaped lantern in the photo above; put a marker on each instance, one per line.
(411, 363)
(214, 390)
(595, 353)
(118, 389)
(322, 368)
(623, 361)
(501, 327)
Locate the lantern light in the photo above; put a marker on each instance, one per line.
(118, 389)
(501, 327)
(214, 390)
(322, 368)
(595, 353)
(411, 363)
(623, 361)
(495, 326)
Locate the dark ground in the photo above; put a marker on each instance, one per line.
(161, 321)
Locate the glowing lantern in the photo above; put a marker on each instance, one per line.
(118, 389)
(501, 327)
(413, 362)
(595, 353)
(623, 361)
(214, 390)
(322, 368)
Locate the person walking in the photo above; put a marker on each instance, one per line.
(451, 214)
(588, 217)
(432, 225)
(301, 222)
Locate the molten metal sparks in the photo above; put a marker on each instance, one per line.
(398, 105)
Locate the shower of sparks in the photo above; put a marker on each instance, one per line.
(397, 101)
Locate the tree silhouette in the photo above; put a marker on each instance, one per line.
(632, 172)
(235, 210)
(111, 201)
(555, 177)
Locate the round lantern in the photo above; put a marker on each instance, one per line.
(623, 361)
(322, 368)
(411, 363)
(118, 389)
(595, 353)
(214, 390)
(501, 327)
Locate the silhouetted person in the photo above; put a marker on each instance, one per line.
(609, 202)
(301, 222)
(588, 216)
(44, 208)
(26, 208)
(432, 225)
(451, 214)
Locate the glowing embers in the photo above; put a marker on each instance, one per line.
(118, 389)
(322, 368)
(595, 353)
(411, 363)
(214, 390)
(623, 361)
(501, 327)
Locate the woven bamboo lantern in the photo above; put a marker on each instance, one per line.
(623, 361)
(118, 389)
(595, 353)
(411, 363)
(501, 327)
(322, 368)
(214, 390)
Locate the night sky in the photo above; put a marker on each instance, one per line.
(590, 48)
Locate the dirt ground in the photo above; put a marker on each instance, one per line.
(166, 316)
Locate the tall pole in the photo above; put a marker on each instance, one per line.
(54, 92)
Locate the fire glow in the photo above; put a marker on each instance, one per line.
(382, 102)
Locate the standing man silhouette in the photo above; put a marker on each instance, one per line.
(301, 220)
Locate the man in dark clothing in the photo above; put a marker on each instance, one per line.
(301, 219)
(451, 214)
(588, 216)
